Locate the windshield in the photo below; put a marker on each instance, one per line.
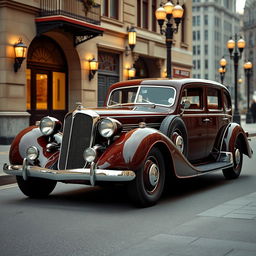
(143, 94)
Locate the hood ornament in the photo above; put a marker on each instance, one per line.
(79, 106)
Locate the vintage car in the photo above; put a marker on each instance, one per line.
(148, 133)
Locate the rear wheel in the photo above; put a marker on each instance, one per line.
(234, 172)
(146, 189)
(176, 130)
(36, 187)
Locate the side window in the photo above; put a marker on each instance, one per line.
(214, 99)
(194, 96)
(227, 101)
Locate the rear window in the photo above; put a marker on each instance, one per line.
(214, 99)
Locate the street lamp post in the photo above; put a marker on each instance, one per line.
(170, 12)
(222, 69)
(237, 46)
(248, 71)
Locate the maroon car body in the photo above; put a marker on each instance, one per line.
(149, 131)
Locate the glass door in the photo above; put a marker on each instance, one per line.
(46, 94)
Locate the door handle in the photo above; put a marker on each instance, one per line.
(206, 120)
(225, 119)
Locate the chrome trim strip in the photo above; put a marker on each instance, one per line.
(88, 174)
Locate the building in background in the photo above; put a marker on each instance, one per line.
(249, 29)
(214, 22)
(62, 36)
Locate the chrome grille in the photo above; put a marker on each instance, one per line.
(77, 136)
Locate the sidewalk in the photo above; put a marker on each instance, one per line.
(4, 149)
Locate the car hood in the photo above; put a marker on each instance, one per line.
(131, 111)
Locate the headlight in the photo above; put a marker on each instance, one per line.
(32, 153)
(89, 155)
(108, 127)
(48, 125)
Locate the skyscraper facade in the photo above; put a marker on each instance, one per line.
(214, 22)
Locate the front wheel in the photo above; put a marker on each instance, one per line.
(234, 171)
(146, 189)
(36, 187)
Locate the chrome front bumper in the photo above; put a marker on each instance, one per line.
(88, 174)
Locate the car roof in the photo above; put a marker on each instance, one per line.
(178, 83)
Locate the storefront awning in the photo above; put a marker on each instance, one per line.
(81, 30)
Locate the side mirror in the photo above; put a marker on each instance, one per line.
(185, 104)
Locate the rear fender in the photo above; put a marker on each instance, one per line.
(31, 136)
(234, 131)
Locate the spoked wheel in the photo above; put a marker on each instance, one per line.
(36, 187)
(234, 172)
(148, 185)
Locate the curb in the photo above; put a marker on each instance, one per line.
(7, 179)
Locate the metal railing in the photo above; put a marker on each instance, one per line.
(76, 9)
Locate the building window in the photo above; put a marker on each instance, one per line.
(206, 35)
(110, 8)
(197, 20)
(198, 35)
(145, 14)
(206, 49)
(206, 64)
(194, 50)
(139, 13)
(198, 50)
(153, 16)
(105, 8)
(194, 35)
(194, 64)
(205, 19)
(198, 64)
(183, 25)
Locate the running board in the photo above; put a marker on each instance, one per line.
(225, 161)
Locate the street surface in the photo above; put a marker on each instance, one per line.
(203, 216)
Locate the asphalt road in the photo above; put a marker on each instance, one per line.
(203, 216)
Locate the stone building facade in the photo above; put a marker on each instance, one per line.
(62, 36)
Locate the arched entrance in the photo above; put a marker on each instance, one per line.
(46, 80)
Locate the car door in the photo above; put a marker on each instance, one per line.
(194, 118)
(215, 116)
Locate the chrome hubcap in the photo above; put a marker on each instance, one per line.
(153, 175)
(179, 142)
(237, 156)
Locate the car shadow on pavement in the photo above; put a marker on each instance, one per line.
(115, 198)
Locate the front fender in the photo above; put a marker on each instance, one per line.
(31, 136)
(233, 132)
(130, 149)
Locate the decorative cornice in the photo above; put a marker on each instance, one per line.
(19, 6)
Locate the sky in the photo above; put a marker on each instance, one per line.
(240, 5)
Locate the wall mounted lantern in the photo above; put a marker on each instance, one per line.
(131, 40)
(93, 68)
(131, 73)
(20, 50)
